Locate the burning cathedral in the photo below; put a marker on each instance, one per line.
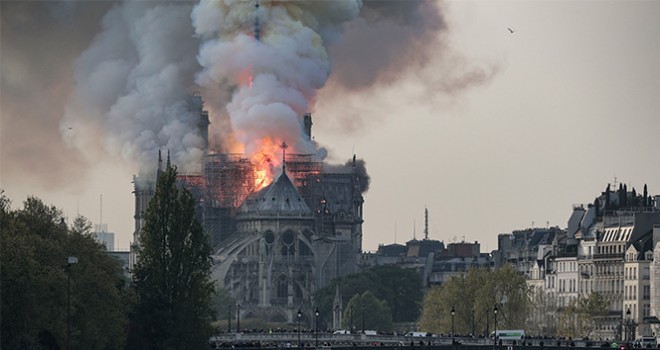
(275, 241)
(282, 221)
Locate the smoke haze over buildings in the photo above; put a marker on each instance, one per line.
(113, 78)
(86, 84)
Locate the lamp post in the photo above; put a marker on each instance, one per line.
(229, 319)
(299, 316)
(628, 330)
(453, 312)
(473, 322)
(495, 312)
(351, 321)
(362, 318)
(316, 326)
(238, 318)
(70, 261)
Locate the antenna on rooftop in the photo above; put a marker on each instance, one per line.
(426, 223)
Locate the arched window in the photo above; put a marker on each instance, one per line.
(288, 247)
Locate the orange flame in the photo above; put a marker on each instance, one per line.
(245, 77)
(265, 161)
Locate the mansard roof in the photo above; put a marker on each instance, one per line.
(279, 198)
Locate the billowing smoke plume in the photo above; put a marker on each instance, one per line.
(356, 166)
(127, 79)
(133, 86)
(277, 76)
(394, 42)
(38, 42)
(393, 38)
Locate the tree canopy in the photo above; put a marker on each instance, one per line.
(367, 312)
(473, 296)
(36, 245)
(579, 318)
(400, 288)
(172, 275)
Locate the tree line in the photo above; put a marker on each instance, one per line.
(171, 302)
(475, 295)
(51, 302)
(376, 298)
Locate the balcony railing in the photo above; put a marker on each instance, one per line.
(609, 256)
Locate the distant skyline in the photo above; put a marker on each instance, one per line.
(490, 130)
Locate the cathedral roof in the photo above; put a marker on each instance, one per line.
(279, 198)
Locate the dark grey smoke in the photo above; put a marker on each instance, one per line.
(360, 170)
(42, 40)
(39, 40)
(389, 38)
(394, 38)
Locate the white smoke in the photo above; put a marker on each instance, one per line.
(276, 78)
(132, 87)
(133, 83)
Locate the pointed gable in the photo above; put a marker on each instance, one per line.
(279, 198)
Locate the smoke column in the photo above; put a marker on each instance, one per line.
(133, 86)
(276, 77)
(120, 86)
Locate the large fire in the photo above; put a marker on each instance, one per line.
(266, 160)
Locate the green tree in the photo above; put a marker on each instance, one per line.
(172, 275)
(473, 297)
(543, 313)
(437, 301)
(568, 321)
(224, 306)
(590, 309)
(400, 288)
(368, 312)
(36, 244)
(607, 198)
(512, 295)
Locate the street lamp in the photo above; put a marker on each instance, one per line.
(351, 321)
(495, 312)
(362, 318)
(70, 261)
(453, 312)
(238, 318)
(316, 327)
(299, 316)
(228, 319)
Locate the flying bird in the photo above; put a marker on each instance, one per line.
(511, 30)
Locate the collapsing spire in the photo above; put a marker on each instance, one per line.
(284, 146)
(257, 34)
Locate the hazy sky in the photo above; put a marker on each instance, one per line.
(492, 131)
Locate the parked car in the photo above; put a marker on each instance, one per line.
(646, 341)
